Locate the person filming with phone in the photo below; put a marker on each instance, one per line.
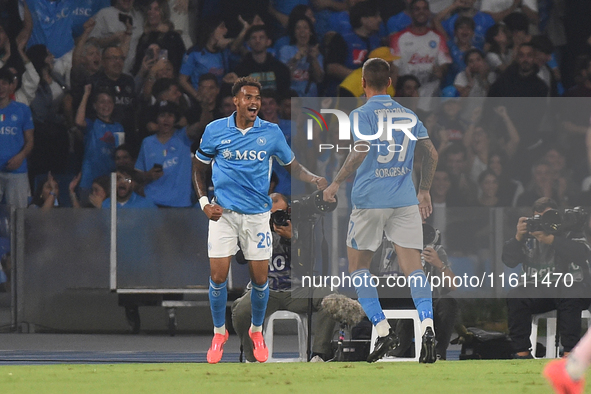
(165, 160)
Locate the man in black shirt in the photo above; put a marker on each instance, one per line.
(259, 64)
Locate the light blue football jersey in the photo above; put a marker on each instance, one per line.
(384, 179)
(242, 162)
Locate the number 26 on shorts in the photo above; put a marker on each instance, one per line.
(265, 240)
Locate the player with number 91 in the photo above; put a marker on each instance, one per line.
(384, 201)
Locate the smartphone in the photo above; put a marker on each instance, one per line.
(124, 18)
(150, 53)
(163, 54)
(158, 167)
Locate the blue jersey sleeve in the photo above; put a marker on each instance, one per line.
(182, 135)
(28, 118)
(282, 152)
(187, 66)
(448, 25)
(140, 163)
(421, 130)
(207, 147)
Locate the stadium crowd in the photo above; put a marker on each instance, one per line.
(91, 78)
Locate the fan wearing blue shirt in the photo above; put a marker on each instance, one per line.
(384, 201)
(16, 143)
(126, 197)
(165, 159)
(52, 25)
(445, 21)
(241, 149)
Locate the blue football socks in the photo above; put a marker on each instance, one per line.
(367, 295)
(218, 298)
(259, 296)
(420, 291)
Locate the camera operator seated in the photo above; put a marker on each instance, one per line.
(284, 293)
(554, 254)
(445, 307)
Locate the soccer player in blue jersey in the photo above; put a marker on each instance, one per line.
(242, 148)
(384, 200)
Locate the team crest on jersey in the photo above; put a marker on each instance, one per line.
(14, 118)
(261, 141)
(432, 44)
(227, 154)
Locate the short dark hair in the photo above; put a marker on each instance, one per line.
(526, 44)
(245, 81)
(103, 90)
(464, 20)
(470, 52)
(404, 78)
(454, 149)
(104, 181)
(360, 10)
(484, 174)
(208, 77)
(125, 148)
(376, 72)
(6, 75)
(413, 2)
(543, 44)
(254, 29)
(543, 203)
(162, 85)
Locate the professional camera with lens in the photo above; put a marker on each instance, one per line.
(552, 222)
(311, 206)
(280, 217)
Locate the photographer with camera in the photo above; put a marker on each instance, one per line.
(284, 294)
(445, 307)
(549, 248)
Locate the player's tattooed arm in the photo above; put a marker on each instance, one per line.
(300, 172)
(351, 164)
(429, 163)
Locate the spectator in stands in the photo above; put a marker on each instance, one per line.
(463, 191)
(122, 87)
(53, 22)
(14, 146)
(488, 190)
(407, 86)
(351, 86)
(303, 58)
(51, 132)
(439, 197)
(509, 189)
(450, 128)
(445, 21)
(153, 68)
(543, 184)
(518, 27)
(562, 174)
(24, 85)
(260, 64)
(209, 91)
(422, 52)
(281, 9)
(345, 53)
(165, 160)
(499, 55)
(400, 21)
(86, 61)
(583, 87)
(478, 144)
(458, 46)
(126, 197)
(119, 25)
(500, 9)
(100, 190)
(340, 20)
(476, 79)
(46, 194)
(159, 30)
(227, 106)
(124, 156)
(297, 12)
(543, 59)
(100, 137)
(211, 55)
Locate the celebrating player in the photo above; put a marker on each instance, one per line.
(384, 200)
(242, 147)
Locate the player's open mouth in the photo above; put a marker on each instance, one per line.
(253, 110)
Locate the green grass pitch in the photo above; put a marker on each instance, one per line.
(505, 377)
